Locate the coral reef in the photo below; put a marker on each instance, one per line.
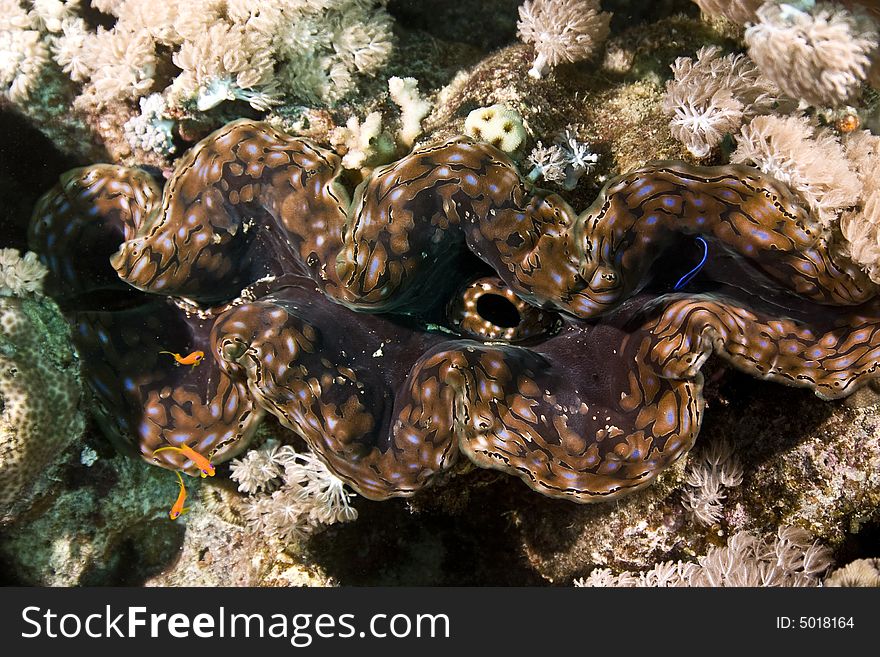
(216, 552)
(810, 160)
(806, 465)
(711, 471)
(564, 162)
(362, 143)
(413, 108)
(860, 225)
(32, 82)
(228, 50)
(817, 52)
(92, 520)
(421, 325)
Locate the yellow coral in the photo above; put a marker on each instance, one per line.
(498, 125)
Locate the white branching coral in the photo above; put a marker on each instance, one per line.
(323, 46)
(151, 130)
(213, 72)
(70, 52)
(50, 15)
(808, 159)
(819, 52)
(308, 495)
(710, 471)
(31, 81)
(413, 108)
(713, 96)
(791, 558)
(363, 144)
(20, 275)
(562, 31)
(122, 64)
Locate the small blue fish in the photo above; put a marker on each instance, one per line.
(687, 278)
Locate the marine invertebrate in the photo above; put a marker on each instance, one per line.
(713, 96)
(791, 558)
(497, 125)
(363, 143)
(579, 159)
(23, 54)
(712, 470)
(31, 80)
(548, 162)
(413, 108)
(259, 469)
(151, 130)
(230, 50)
(66, 70)
(861, 572)
(309, 496)
(20, 275)
(257, 254)
(819, 52)
(561, 31)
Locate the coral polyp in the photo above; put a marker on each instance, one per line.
(354, 316)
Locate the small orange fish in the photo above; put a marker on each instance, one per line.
(203, 463)
(177, 510)
(193, 358)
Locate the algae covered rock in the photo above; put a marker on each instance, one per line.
(102, 522)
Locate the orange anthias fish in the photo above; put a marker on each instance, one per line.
(178, 509)
(192, 358)
(202, 462)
